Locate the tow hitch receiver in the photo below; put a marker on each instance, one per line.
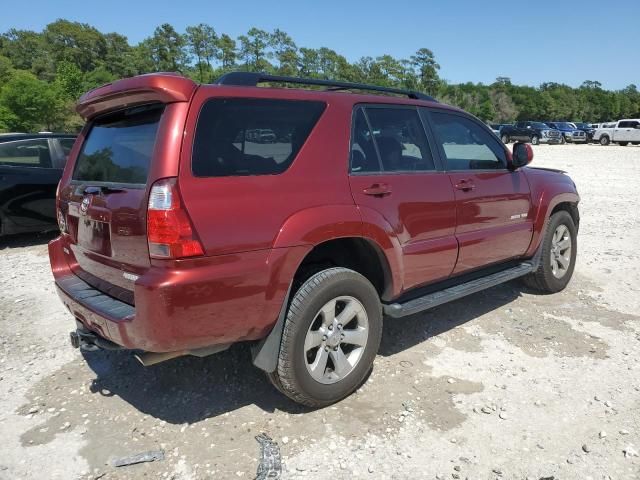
(89, 342)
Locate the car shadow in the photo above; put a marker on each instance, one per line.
(191, 389)
(22, 240)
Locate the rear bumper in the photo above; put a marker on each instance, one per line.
(201, 303)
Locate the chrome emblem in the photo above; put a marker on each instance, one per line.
(84, 206)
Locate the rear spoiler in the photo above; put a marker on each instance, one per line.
(150, 88)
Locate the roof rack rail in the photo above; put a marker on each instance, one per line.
(252, 79)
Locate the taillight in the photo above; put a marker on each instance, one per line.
(169, 229)
(62, 221)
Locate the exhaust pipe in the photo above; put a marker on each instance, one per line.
(151, 358)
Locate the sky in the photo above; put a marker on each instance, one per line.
(530, 42)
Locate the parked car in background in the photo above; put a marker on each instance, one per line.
(367, 204)
(586, 128)
(570, 133)
(622, 132)
(496, 128)
(529, 131)
(30, 168)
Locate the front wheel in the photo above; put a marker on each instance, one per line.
(331, 336)
(562, 140)
(558, 257)
(604, 140)
(505, 139)
(535, 140)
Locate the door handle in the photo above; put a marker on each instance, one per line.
(378, 190)
(465, 185)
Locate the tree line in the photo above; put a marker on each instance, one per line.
(42, 74)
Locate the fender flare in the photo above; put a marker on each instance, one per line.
(546, 203)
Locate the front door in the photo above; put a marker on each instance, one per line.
(393, 176)
(493, 204)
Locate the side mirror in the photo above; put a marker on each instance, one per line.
(522, 155)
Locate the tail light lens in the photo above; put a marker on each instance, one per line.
(169, 230)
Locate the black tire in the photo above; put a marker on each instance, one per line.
(535, 140)
(505, 139)
(623, 144)
(562, 140)
(604, 140)
(635, 143)
(543, 279)
(292, 376)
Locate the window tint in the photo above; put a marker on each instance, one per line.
(466, 145)
(251, 136)
(119, 146)
(396, 135)
(26, 153)
(400, 138)
(67, 145)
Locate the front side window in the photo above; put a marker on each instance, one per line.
(393, 140)
(26, 153)
(250, 136)
(466, 145)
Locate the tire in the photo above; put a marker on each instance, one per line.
(535, 140)
(604, 140)
(317, 304)
(505, 139)
(562, 140)
(635, 143)
(546, 278)
(623, 144)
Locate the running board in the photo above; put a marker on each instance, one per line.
(431, 300)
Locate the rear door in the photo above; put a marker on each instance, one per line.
(104, 202)
(28, 180)
(393, 175)
(493, 206)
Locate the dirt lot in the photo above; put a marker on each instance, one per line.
(502, 384)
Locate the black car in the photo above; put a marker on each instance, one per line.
(586, 128)
(528, 131)
(30, 169)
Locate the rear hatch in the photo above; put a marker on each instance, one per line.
(128, 143)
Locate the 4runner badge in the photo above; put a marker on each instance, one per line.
(84, 206)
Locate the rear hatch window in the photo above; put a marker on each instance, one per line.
(119, 147)
(251, 136)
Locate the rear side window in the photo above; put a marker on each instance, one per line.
(466, 145)
(251, 136)
(119, 147)
(393, 139)
(26, 153)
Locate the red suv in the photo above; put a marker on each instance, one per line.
(197, 216)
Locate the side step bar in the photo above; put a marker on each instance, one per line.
(431, 300)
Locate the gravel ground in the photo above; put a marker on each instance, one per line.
(503, 384)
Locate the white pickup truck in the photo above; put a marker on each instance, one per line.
(622, 132)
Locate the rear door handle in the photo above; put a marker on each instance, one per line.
(378, 190)
(465, 185)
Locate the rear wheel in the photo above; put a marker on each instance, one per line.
(559, 247)
(604, 140)
(535, 140)
(635, 143)
(623, 144)
(331, 336)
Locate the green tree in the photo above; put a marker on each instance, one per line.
(425, 63)
(202, 42)
(285, 52)
(253, 50)
(33, 103)
(165, 49)
(226, 51)
(76, 43)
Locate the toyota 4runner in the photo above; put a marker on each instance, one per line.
(184, 231)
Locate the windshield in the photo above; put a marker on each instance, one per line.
(119, 147)
(582, 125)
(565, 125)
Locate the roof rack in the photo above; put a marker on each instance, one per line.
(252, 79)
